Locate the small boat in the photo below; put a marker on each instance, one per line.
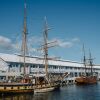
(89, 77)
(42, 85)
(44, 89)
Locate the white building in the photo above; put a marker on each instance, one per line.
(35, 65)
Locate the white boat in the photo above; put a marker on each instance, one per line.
(44, 89)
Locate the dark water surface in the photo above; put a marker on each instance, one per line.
(70, 92)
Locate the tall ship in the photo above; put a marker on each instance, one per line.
(44, 82)
(23, 83)
(90, 76)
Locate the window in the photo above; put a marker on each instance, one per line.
(75, 74)
(18, 87)
(25, 87)
(4, 87)
(80, 74)
(12, 87)
(66, 67)
(71, 74)
(41, 66)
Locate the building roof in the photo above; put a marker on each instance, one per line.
(39, 60)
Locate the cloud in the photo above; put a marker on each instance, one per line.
(7, 45)
(34, 42)
(75, 40)
(66, 43)
(35, 39)
(5, 42)
(56, 41)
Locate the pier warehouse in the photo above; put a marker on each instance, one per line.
(35, 65)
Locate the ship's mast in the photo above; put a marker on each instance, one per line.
(84, 59)
(91, 62)
(24, 38)
(45, 35)
(45, 47)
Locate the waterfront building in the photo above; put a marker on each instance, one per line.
(35, 65)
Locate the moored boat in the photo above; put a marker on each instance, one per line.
(89, 77)
(45, 88)
(25, 84)
(8, 88)
(86, 80)
(45, 83)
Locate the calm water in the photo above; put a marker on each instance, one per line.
(70, 92)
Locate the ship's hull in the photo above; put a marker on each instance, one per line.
(86, 80)
(15, 88)
(46, 88)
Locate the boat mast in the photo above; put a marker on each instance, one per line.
(24, 38)
(91, 62)
(84, 59)
(45, 35)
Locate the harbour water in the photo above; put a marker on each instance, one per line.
(69, 92)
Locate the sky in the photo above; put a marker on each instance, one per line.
(72, 23)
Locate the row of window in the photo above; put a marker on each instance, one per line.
(13, 65)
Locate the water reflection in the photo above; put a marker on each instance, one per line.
(70, 92)
(37, 96)
(17, 97)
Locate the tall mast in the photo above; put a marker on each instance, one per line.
(45, 35)
(91, 62)
(84, 58)
(24, 37)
